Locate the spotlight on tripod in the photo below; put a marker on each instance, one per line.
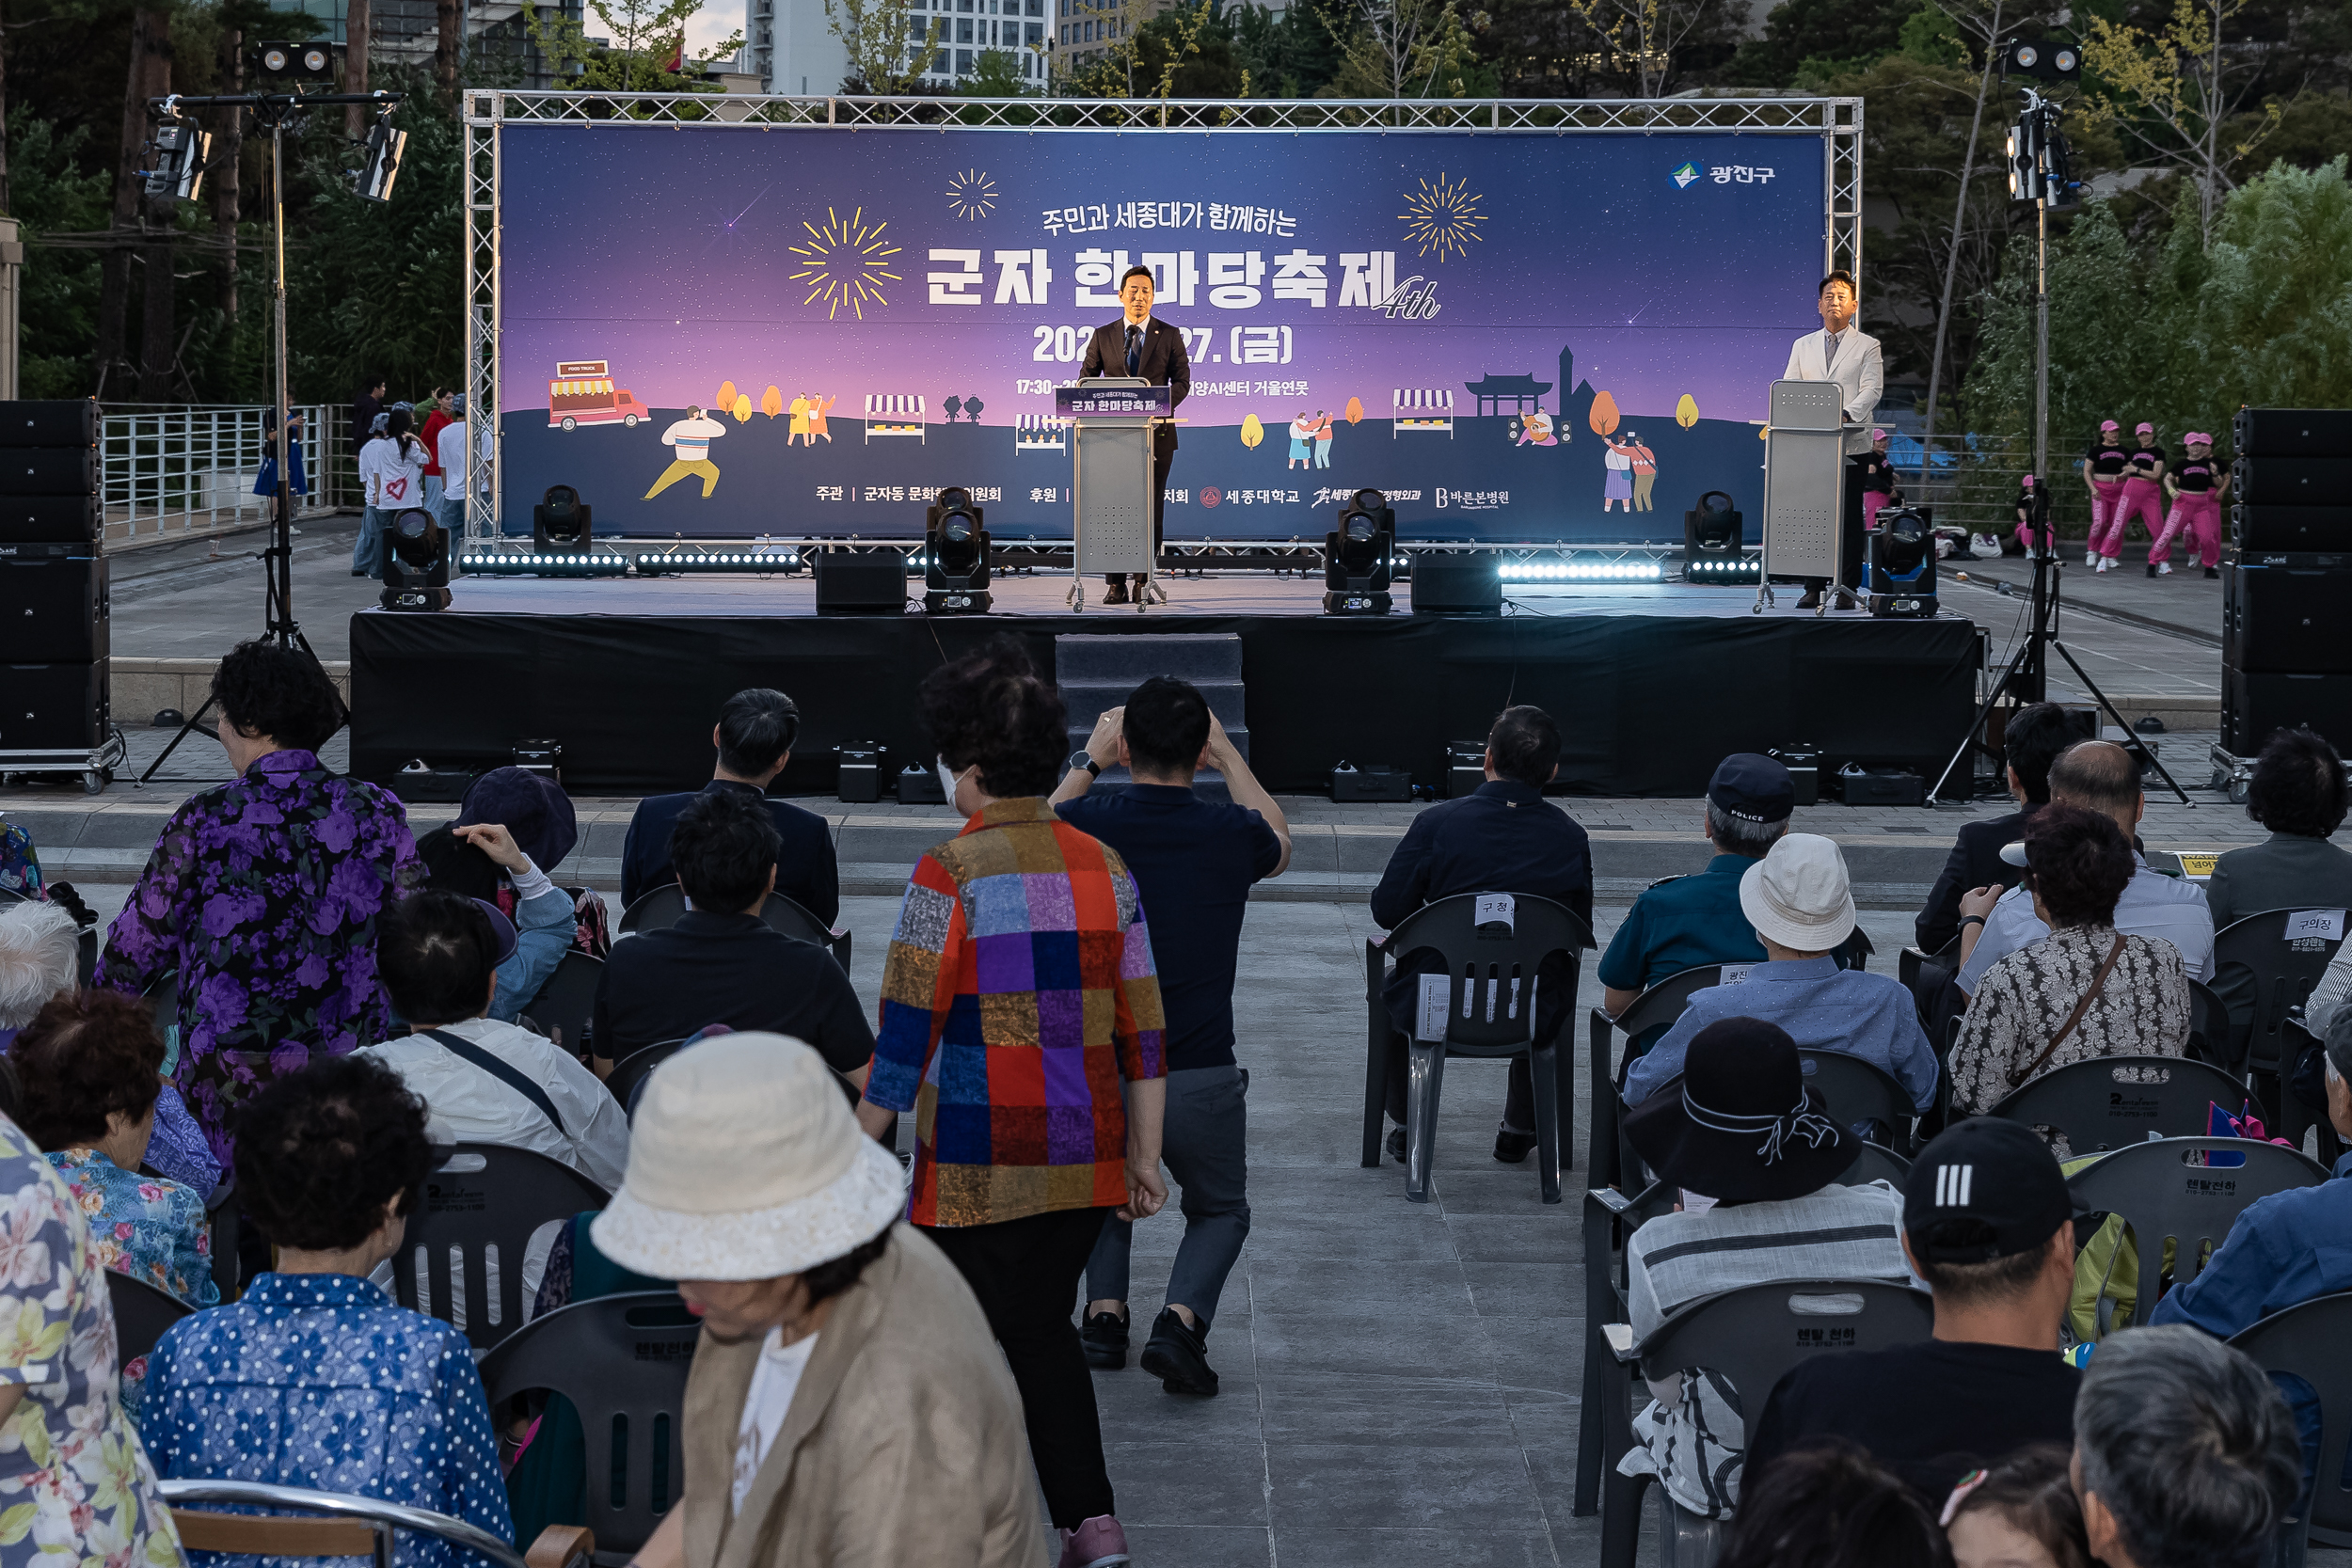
(414, 562)
(1358, 557)
(1900, 565)
(373, 178)
(181, 151)
(560, 521)
(955, 556)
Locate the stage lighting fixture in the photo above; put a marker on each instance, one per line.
(2043, 59)
(1358, 557)
(373, 179)
(181, 151)
(279, 62)
(568, 564)
(1643, 570)
(1900, 565)
(763, 560)
(413, 562)
(1711, 534)
(561, 521)
(955, 556)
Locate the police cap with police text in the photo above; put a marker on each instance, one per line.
(1752, 788)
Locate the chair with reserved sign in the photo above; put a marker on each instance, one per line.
(2110, 1102)
(1655, 1008)
(2186, 1193)
(2267, 965)
(1489, 982)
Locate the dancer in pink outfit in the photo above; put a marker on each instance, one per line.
(2143, 489)
(2103, 472)
(2198, 489)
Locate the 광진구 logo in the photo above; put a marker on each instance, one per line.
(1686, 176)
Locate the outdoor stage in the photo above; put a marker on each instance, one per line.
(1652, 684)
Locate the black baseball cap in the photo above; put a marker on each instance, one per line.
(1985, 1189)
(1752, 788)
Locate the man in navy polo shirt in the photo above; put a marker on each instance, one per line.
(1501, 837)
(1193, 862)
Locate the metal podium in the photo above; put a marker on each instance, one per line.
(1110, 482)
(1804, 485)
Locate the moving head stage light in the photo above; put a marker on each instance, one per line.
(1358, 557)
(1711, 534)
(414, 561)
(561, 521)
(955, 556)
(1899, 564)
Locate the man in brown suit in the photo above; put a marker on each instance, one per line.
(847, 1401)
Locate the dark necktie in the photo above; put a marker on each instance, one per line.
(1134, 351)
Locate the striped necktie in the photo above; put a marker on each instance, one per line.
(1134, 351)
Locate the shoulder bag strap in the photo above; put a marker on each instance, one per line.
(2073, 1018)
(508, 1073)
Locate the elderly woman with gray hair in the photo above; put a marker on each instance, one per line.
(2184, 1455)
(39, 957)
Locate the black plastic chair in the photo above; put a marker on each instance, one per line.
(632, 1071)
(142, 1313)
(659, 909)
(2277, 972)
(2293, 1118)
(1491, 1011)
(1855, 1091)
(568, 1000)
(622, 1361)
(1875, 1162)
(2110, 1102)
(2209, 1026)
(220, 1210)
(163, 998)
(2177, 1191)
(1751, 1338)
(2307, 1341)
(1662, 1003)
(480, 1207)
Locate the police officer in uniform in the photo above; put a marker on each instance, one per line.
(1685, 922)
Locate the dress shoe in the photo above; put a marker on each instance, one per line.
(1511, 1146)
(1396, 1143)
(1099, 1543)
(1812, 600)
(2213, 571)
(1104, 1337)
(1116, 593)
(1178, 1354)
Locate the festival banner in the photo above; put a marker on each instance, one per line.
(725, 332)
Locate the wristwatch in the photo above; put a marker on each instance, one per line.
(1079, 759)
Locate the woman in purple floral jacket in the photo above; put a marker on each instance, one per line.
(263, 893)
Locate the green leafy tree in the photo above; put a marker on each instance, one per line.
(1411, 48)
(53, 194)
(996, 74)
(1851, 33)
(2178, 90)
(1189, 53)
(648, 37)
(1292, 55)
(2263, 313)
(889, 42)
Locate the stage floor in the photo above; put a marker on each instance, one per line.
(1256, 593)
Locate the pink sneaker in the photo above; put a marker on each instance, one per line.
(1099, 1543)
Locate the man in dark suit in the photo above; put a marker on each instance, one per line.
(2035, 734)
(1503, 837)
(1136, 344)
(754, 735)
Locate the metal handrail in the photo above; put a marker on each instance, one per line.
(422, 1521)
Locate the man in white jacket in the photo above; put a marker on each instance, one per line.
(1843, 353)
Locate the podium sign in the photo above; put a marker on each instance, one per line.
(1805, 475)
(1111, 475)
(1090, 400)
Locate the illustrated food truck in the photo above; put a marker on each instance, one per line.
(582, 393)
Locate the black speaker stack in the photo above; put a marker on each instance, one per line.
(53, 587)
(2286, 661)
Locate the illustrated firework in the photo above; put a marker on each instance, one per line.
(971, 196)
(1443, 217)
(845, 263)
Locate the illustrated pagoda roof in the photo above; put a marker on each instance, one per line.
(1508, 387)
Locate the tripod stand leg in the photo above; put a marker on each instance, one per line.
(1976, 726)
(2108, 708)
(195, 722)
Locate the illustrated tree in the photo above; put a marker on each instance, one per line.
(889, 42)
(2178, 91)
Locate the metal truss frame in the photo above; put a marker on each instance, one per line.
(1837, 122)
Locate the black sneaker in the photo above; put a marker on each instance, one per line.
(1511, 1147)
(1104, 1337)
(1396, 1145)
(1812, 600)
(2213, 571)
(1177, 1354)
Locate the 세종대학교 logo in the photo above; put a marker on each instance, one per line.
(1685, 177)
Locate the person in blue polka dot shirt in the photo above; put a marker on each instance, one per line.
(315, 1378)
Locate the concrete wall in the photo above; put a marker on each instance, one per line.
(141, 688)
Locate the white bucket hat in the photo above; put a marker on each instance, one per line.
(1798, 895)
(746, 1162)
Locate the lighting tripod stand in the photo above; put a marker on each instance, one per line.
(277, 113)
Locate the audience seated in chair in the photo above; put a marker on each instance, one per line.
(1194, 862)
(1689, 922)
(314, 1378)
(1801, 905)
(440, 955)
(2021, 1512)
(2031, 740)
(1746, 1133)
(2184, 1455)
(2086, 990)
(754, 737)
(2100, 776)
(88, 1082)
(40, 953)
(1987, 1223)
(721, 963)
(514, 828)
(263, 894)
(849, 1403)
(2298, 792)
(1503, 837)
(1834, 1508)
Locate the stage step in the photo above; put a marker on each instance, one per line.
(1096, 673)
